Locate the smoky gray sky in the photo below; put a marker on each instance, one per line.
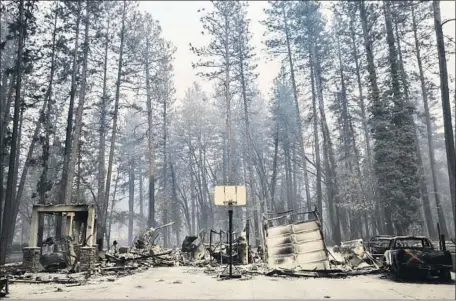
(181, 25)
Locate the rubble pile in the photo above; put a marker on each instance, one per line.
(134, 258)
(351, 255)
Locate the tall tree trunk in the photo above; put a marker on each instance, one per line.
(192, 198)
(228, 100)
(78, 121)
(298, 114)
(175, 201)
(361, 97)
(69, 128)
(7, 100)
(446, 106)
(27, 163)
(113, 202)
(101, 230)
(12, 169)
(165, 171)
(248, 141)
(317, 145)
(3, 83)
(102, 142)
(150, 144)
(351, 153)
(369, 190)
(131, 200)
(425, 197)
(287, 166)
(331, 178)
(141, 195)
(404, 135)
(379, 116)
(43, 185)
(274, 170)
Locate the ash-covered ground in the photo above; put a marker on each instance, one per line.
(197, 283)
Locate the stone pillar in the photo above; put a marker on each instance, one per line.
(90, 234)
(33, 240)
(31, 259)
(88, 258)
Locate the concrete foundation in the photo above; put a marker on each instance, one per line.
(31, 259)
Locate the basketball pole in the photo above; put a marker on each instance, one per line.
(230, 242)
(230, 227)
(222, 197)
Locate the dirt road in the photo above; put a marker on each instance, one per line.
(191, 283)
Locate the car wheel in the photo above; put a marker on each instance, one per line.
(445, 275)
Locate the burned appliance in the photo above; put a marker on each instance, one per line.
(294, 240)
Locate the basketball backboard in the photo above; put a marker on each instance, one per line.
(234, 195)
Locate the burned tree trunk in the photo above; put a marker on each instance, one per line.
(131, 200)
(379, 121)
(113, 202)
(446, 106)
(150, 144)
(331, 177)
(12, 169)
(78, 121)
(317, 145)
(102, 140)
(69, 129)
(101, 230)
(298, 115)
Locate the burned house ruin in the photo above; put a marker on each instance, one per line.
(74, 246)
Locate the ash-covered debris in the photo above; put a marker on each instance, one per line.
(142, 255)
(296, 247)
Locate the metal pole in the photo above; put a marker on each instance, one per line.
(440, 240)
(210, 245)
(247, 235)
(220, 249)
(230, 226)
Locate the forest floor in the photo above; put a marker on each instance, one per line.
(194, 283)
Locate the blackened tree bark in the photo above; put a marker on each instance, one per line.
(446, 106)
(101, 230)
(379, 124)
(12, 168)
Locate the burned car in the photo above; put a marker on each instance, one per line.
(378, 245)
(415, 255)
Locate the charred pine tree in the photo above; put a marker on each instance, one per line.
(379, 122)
(424, 94)
(405, 191)
(12, 167)
(446, 106)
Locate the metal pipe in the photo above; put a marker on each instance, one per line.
(230, 226)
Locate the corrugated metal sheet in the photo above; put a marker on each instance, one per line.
(296, 246)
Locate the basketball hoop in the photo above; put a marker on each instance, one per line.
(230, 196)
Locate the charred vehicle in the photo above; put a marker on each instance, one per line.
(378, 245)
(415, 255)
